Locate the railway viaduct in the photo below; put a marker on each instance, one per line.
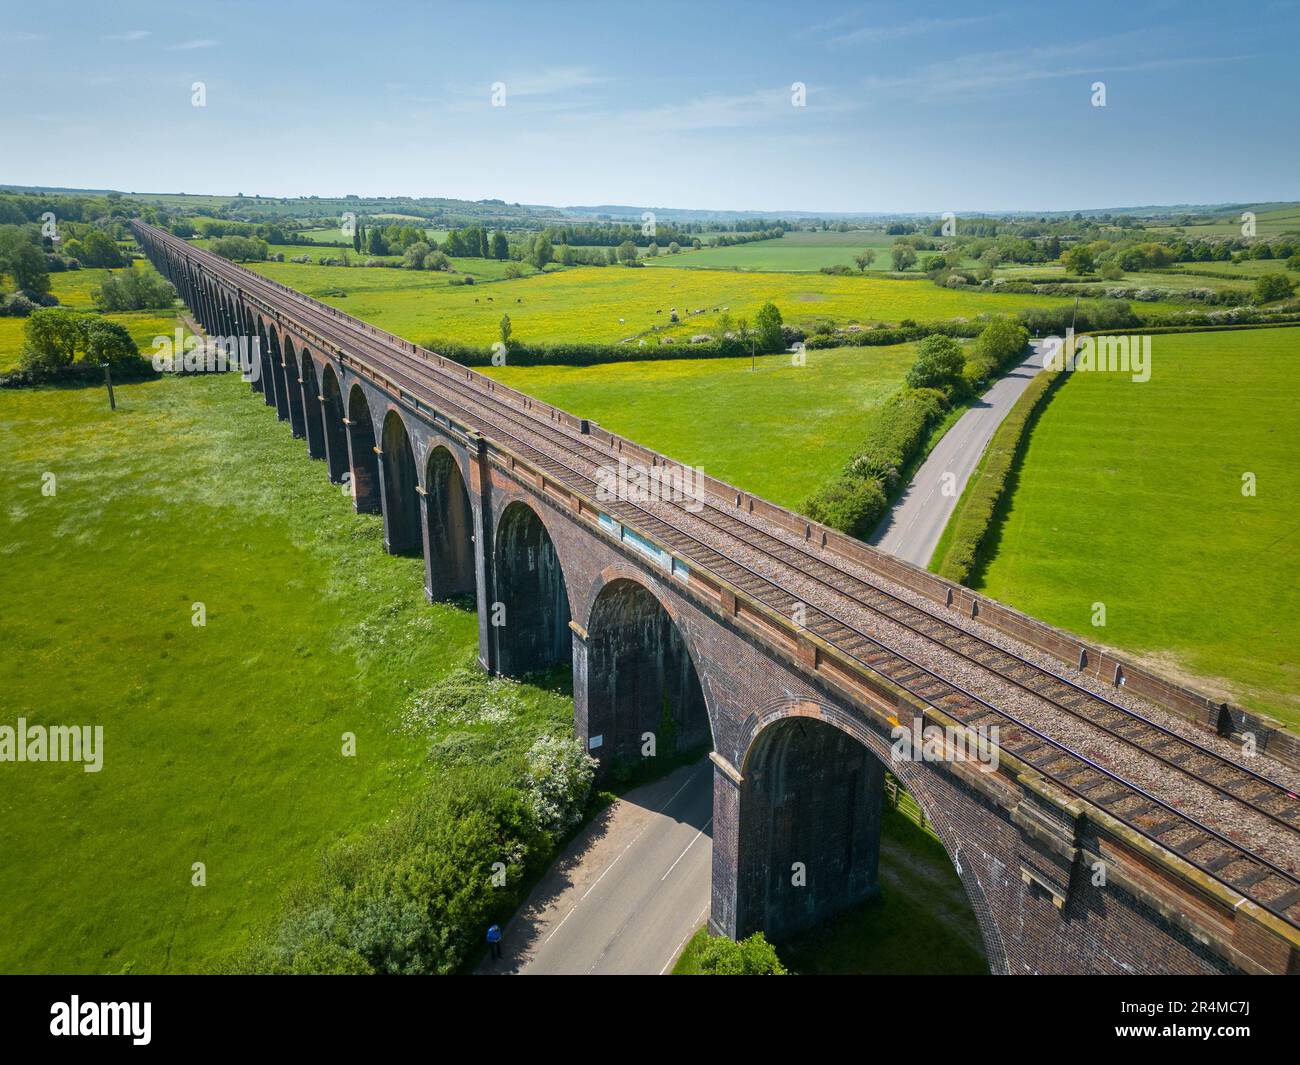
(704, 618)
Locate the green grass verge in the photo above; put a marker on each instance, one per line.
(958, 550)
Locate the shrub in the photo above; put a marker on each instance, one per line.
(51, 339)
(1003, 341)
(17, 306)
(939, 363)
(755, 956)
(413, 895)
(134, 290)
(239, 249)
(898, 428)
(1273, 287)
(852, 505)
(108, 342)
(558, 783)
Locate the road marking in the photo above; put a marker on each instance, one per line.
(688, 847)
(678, 949)
(629, 846)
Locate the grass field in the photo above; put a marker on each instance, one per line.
(922, 923)
(221, 743)
(74, 289)
(1131, 495)
(795, 252)
(1273, 223)
(781, 431)
(585, 304)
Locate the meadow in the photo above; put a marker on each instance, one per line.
(609, 304)
(797, 251)
(780, 431)
(222, 742)
(1131, 495)
(74, 289)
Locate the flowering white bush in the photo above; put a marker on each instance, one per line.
(557, 782)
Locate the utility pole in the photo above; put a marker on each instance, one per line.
(108, 380)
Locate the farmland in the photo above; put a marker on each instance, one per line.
(74, 289)
(795, 252)
(221, 742)
(1131, 495)
(585, 304)
(780, 431)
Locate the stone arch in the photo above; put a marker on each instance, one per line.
(293, 388)
(641, 677)
(333, 424)
(311, 405)
(529, 618)
(811, 786)
(449, 528)
(401, 501)
(362, 459)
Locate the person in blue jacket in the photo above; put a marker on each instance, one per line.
(494, 941)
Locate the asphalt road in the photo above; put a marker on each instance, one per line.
(628, 892)
(911, 530)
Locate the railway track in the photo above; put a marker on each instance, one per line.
(555, 448)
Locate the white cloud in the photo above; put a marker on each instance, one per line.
(127, 35)
(190, 46)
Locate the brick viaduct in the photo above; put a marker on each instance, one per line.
(648, 603)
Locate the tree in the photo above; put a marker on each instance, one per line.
(51, 337)
(865, 259)
(611, 256)
(358, 234)
(755, 956)
(239, 249)
(107, 341)
(673, 247)
(627, 252)
(22, 259)
(413, 258)
(99, 249)
(1273, 287)
(543, 251)
(939, 362)
(1079, 260)
(375, 242)
(904, 256)
(767, 328)
(506, 329)
(500, 246)
(134, 290)
(566, 255)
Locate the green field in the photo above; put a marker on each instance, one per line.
(1130, 494)
(222, 743)
(585, 304)
(780, 431)
(795, 252)
(73, 289)
(1268, 224)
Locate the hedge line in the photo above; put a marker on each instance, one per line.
(582, 354)
(970, 524)
(855, 501)
(79, 373)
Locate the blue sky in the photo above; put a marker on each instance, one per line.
(909, 106)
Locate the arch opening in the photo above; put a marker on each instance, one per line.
(449, 527)
(331, 407)
(268, 372)
(293, 388)
(362, 460)
(643, 691)
(530, 615)
(401, 500)
(277, 369)
(311, 407)
(822, 829)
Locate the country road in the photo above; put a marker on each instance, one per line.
(912, 528)
(627, 893)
